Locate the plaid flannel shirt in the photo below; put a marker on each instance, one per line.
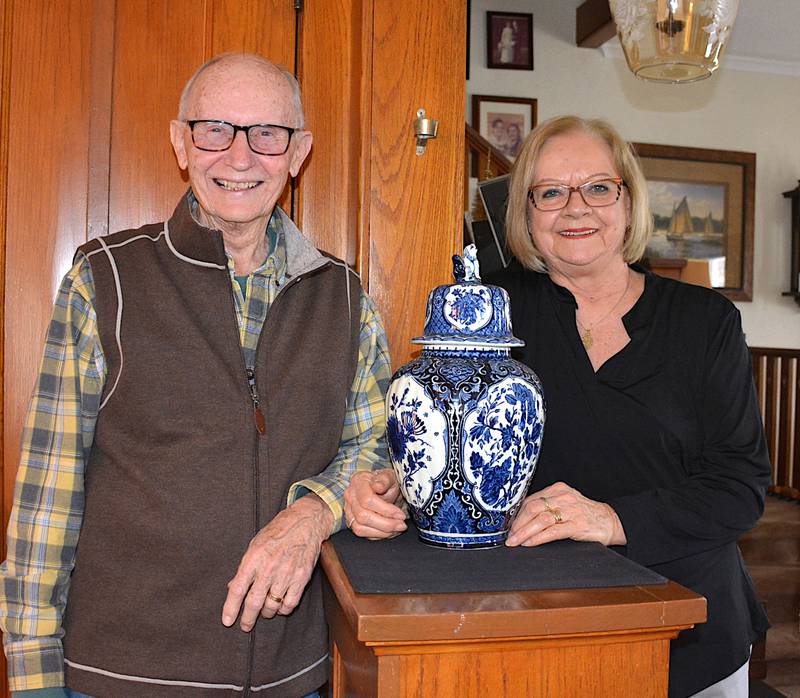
(49, 499)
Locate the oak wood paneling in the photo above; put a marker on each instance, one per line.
(158, 46)
(48, 121)
(534, 670)
(329, 201)
(266, 27)
(258, 26)
(181, 35)
(88, 90)
(5, 98)
(415, 207)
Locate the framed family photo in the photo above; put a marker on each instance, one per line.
(509, 40)
(504, 121)
(703, 203)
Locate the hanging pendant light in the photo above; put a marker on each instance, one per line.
(673, 40)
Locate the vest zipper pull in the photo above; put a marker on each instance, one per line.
(258, 415)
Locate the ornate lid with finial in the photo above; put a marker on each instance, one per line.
(468, 314)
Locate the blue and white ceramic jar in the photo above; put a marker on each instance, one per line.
(465, 420)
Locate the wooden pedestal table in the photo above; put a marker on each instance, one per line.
(609, 643)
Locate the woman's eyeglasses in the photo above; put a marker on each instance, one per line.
(598, 192)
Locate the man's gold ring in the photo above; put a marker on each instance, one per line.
(557, 515)
(276, 599)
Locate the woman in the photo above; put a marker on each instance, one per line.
(513, 141)
(653, 440)
(505, 46)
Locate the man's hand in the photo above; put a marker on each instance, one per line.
(278, 563)
(369, 508)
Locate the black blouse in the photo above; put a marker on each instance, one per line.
(668, 432)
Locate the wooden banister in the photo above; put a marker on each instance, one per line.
(482, 160)
(777, 377)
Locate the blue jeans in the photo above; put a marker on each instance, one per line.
(75, 694)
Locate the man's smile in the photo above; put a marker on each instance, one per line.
(235, 186)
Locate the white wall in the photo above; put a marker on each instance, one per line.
(732, 110)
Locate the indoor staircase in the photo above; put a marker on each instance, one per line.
(772, 554)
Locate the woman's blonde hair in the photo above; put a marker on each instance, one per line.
(626, 163)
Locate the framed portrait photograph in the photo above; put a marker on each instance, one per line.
(703, 204)
(509, 40)
(504, 121)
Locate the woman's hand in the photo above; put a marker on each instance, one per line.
(559, 512)
(369, 505)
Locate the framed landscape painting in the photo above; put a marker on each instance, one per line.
(702, 203)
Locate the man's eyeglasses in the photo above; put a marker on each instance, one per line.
(264, 139)
(598, 192)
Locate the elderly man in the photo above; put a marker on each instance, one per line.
(209, 386)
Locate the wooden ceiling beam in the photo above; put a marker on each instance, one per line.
(594, 24)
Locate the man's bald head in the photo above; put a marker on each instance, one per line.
(216, 69)
(235, 186)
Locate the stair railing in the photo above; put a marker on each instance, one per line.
(777, 378)
(481, 160)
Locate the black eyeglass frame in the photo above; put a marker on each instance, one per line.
(236, 128)
(617, 180)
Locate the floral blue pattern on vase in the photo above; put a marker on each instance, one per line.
(465, 420)
(468, 307)
(417, 435)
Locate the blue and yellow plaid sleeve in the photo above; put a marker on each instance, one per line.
(362, 445)
(48, 498)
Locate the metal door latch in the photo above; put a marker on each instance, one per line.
(424, 130)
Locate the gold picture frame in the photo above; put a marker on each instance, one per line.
(703, 206)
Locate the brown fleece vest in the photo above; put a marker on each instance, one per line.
(179, 480)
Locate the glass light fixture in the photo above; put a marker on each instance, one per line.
(673, 40)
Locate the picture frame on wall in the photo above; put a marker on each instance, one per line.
(509, 40)
(504, 121)
(494, 196)
(703, 206)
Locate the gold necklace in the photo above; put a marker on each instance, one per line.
(586, 332)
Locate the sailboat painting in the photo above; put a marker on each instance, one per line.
(703, 203)
(688, 219)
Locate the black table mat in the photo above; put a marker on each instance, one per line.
(404, 565)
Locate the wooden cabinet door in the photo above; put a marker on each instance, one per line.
(88, 91)
(414, 201)
(90, 87)
(384, 60)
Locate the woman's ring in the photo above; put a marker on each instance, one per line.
(276, 599)
(557, 515)
(546, 504)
